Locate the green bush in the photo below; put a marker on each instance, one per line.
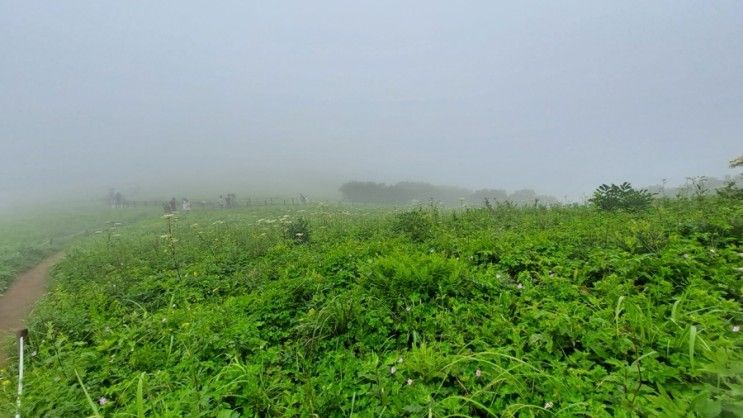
(416, 224)
(298, 231)
(730, 191)
(621, 197)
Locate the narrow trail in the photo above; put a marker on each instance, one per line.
(16, 303)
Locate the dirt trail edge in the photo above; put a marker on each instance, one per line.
(16, 303)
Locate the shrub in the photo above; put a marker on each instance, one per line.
(621, 197)
(416, 224)
(730, 191)
(298, 231)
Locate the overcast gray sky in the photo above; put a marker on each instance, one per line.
(180, 95)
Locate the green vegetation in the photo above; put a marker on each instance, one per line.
(622, 197)
(500, 311)
(26, 239)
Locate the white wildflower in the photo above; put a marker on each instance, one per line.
(736, 328)
(548, 405)
(393, 369)
(409, 381)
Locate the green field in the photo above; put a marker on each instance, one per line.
(341, 311)
(28, 237)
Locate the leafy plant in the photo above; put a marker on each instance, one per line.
(298, 231)
(416, 224)
(621, 197)
(730, 191)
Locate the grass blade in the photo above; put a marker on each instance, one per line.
(692, 343)
(618, 310)
(87, 396)
(674, 310)
(140, 396)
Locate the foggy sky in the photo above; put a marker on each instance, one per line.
(181, 96)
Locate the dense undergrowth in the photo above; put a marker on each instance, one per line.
(488, 312)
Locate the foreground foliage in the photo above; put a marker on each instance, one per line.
(490, 312)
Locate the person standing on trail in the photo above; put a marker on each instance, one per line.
(186, 205)
(173, 205)
(221, 202)
(118, 200)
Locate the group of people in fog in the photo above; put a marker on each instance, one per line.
(228, 201)
(117, 200)
(172, 206)
(225, 201)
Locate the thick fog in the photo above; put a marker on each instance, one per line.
(183, 97)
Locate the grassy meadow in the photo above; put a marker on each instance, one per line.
(352, 311)
(26, 238)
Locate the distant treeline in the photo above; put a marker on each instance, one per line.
(407, 192)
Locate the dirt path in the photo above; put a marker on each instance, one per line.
(19, 299)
